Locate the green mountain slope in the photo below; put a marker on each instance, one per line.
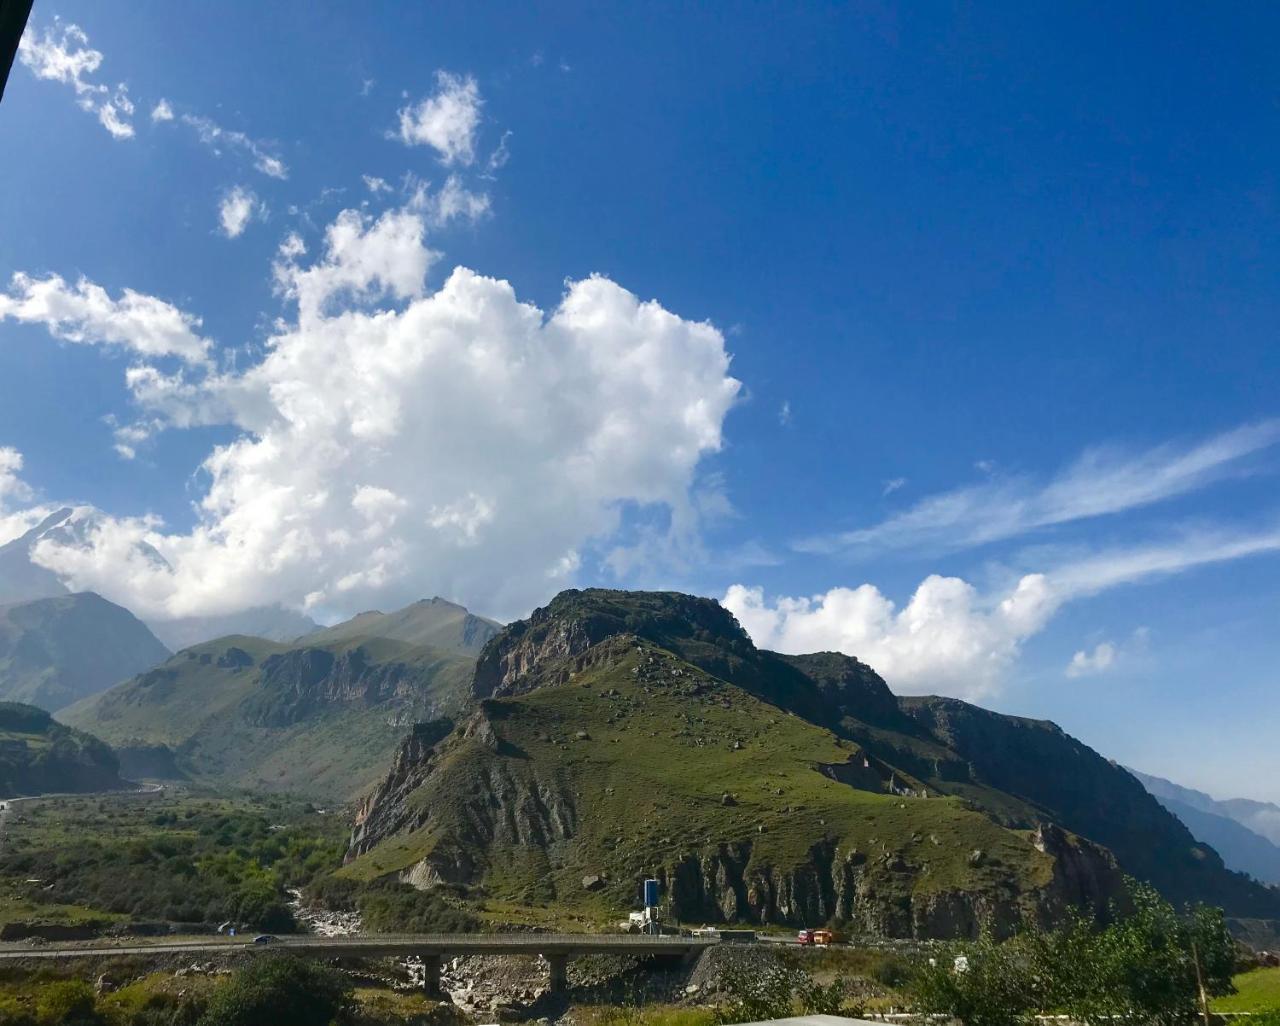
(41, 756)
(434, 622)
(316, 719)
(55, 651)
(1058, 778)
(619, 735)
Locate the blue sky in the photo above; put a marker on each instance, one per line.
(942, 335)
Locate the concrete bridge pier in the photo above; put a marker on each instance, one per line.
(431, 975)
(557, 973)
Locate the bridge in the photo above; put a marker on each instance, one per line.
(555, 948)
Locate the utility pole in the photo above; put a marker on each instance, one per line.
(1204, 996)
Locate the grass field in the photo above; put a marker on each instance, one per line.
(1258, 991)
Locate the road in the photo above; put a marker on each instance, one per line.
(547, 944)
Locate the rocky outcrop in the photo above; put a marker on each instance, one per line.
(880, 896)
(299, 683)
(694, 628)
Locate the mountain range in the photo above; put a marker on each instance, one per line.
(23, 579)
(55, 651)
(1245, 833)
(320, 715)
(617, 735)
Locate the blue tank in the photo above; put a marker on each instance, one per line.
(651, 894)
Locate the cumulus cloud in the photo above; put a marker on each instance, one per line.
(447, 120)
(162, 111)
(236, 209)
(86, 313)
(1086, 664)
(1106, 655)
(398, 441)
(950, 638)
(1102, 481)
(219, 140)
(62, 54)
(947, 638)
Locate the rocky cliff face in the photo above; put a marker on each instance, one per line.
(304, 681)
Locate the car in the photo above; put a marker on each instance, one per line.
(266, 938)
(804, 937)
(823, 937)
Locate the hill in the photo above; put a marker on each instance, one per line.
(40, 756)
(55, 651)
(319, 719)
(618, 735)
(435, 622)
(1223, 825)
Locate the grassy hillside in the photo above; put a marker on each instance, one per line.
(55, 651)
(641, 764)
(318, 719)
(623, 734)
(41, 756)
(435, 622)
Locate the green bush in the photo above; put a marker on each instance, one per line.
(996, 984)
(1146, 969)
(67, 1003)
(278, 991)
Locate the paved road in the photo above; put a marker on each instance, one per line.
(567, 944)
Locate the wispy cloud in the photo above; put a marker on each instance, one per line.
(218, 139)
(63, 54)
(1102, 481)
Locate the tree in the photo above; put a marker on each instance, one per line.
(1147, 967)
(281, 989)
(1153, 967)
(983, 983)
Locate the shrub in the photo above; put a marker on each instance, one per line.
(67, 1003)
(281, 990)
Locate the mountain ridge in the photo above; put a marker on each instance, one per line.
(55, 651)
(510, 804)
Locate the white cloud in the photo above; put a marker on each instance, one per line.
(236, 209)
(499, 157)
(447, 120)
(217, 138)
(893, 484)
(162, 111)
(398, 441)
(1102, 481)
(1087, 664)
(451, 202)
(63, 54)
(375, 184)
(1106, 655)
(85, 313)
(946, 639)
(951, 639)
(12, 487)
(784, 413)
